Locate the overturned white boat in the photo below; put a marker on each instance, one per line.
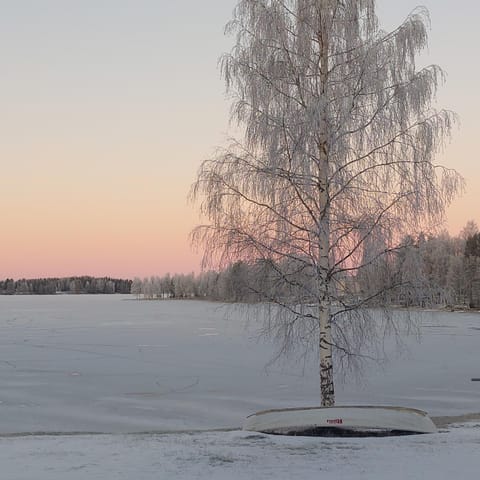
(341, 421)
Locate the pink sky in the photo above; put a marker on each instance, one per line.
(108, 109)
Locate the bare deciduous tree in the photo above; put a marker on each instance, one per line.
(335, 166)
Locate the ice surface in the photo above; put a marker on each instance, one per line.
(113, 364)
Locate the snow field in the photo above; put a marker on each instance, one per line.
(452, 454)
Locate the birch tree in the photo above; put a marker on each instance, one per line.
(338, 135)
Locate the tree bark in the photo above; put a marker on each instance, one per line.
(327, 389)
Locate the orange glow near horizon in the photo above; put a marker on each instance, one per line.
(106, 118)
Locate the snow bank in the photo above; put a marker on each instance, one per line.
(242, 455)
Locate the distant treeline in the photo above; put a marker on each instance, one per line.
(440, 270)
(428, 270)
(74, 285)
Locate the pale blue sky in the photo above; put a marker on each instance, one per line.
(108, 107)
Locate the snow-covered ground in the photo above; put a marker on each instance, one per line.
(78, 364)
(239, 455)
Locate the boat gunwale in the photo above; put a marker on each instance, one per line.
(379, 407)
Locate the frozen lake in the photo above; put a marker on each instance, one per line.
(70, 365)
(116, 365)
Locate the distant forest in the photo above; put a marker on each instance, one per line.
(73, 285)
(429, 270)
(439, 270)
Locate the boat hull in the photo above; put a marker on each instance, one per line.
(343, 420)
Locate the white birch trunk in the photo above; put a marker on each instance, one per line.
(327, 391)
